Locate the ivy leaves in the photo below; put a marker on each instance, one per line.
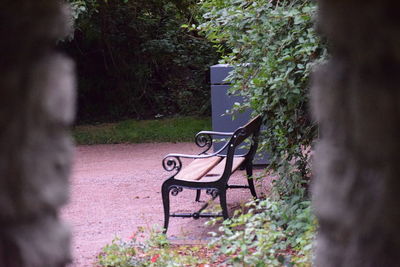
(273, 47)
(270, 233)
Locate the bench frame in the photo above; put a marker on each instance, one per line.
(172, 162)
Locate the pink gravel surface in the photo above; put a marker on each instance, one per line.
(116, 188)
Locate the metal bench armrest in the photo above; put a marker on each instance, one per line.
(204, 139)
(173, 161)
(215, 133)
(188, 156)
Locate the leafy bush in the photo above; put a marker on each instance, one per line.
(135, 60)
(272, 46)
(270, 233)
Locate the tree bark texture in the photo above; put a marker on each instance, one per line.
(356, 100)
(36, 107)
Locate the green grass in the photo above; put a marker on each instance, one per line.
(178, 129)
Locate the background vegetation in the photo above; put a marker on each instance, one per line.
(273, 47)
(135, 61)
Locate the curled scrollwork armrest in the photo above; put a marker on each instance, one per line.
(171, 162)
(204, 139)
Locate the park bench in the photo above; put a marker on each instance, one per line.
(211, 171)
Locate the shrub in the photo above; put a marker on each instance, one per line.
(270, 233)
(272, 46)
(134, 59)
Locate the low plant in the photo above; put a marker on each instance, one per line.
(266, 233)
(154, 251)
(269, 233)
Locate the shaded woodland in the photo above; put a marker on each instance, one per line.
(134, 60)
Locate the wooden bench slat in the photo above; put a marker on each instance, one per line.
(197, 168)
(215, 173)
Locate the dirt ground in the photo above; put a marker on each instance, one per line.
(116, 188)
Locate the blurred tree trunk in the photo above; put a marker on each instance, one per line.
(356, 99)
(36, 108)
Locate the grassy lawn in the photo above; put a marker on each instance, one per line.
(178, 129)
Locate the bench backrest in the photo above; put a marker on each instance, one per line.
(249, 131)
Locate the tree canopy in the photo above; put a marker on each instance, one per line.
(135, 60)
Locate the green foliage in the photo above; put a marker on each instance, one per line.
(155, 251)
(118, 253)
(273, 47)
(135, 60)
(82, 8)
(270, 233)
(179, 129)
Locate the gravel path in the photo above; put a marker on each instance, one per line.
(116, 188)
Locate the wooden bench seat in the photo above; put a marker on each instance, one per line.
(208, 169)
(211, 171)
(198, 168)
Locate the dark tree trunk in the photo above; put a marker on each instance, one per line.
(36, 108)
(356, 99)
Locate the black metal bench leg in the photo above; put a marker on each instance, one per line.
(249, 172)
(198, 193)
(165, 198)
(222, 199)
